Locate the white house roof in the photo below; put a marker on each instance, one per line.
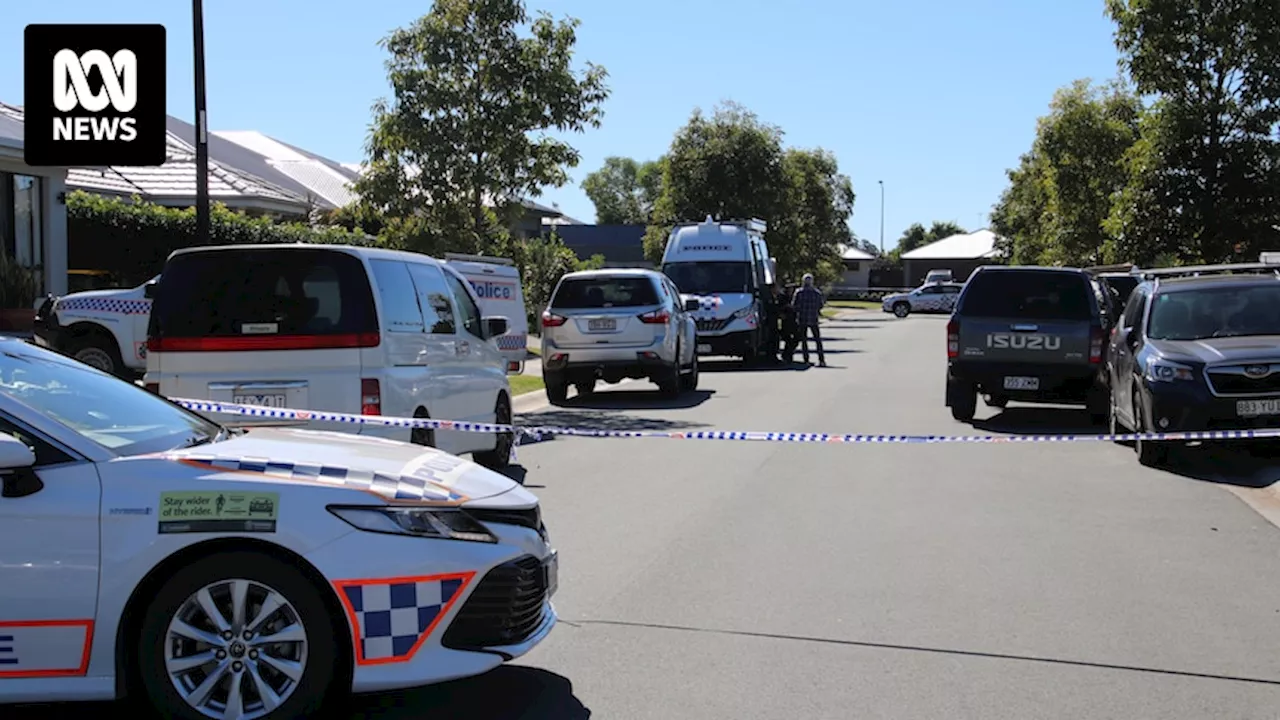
(849, 252)
(328, 180)
(965, 246)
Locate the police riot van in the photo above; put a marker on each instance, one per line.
(104, 329)
(726, 266)
(497, 285)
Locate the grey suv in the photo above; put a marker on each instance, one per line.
(614, 324)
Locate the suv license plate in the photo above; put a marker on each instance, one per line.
(602, 324)
(704, 347)
(262, 400)
(1021, 383)
(552, 567)
(1254, 408)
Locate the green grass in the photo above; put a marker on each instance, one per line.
(865, 304)
(521, 384)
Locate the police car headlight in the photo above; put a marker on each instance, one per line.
(744, 312)
(442, 523)
(1165, 371)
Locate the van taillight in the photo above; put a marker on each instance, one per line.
(263, 342)
(1096, 340)
(370, 397)
(552, 320)
(953, 339)
(153, 388)
(657, 317)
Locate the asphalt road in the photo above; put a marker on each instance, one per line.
(751, 580)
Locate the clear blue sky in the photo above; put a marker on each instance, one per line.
(935, 97)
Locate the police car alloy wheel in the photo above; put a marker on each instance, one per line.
(901, 309)
(238, 635)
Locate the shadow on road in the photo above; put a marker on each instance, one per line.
(1243, 463)
(1038, 421)
(608, 399)
(515, 472)
(593, 419)
(508, 693)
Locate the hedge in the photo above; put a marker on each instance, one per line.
(132, 238)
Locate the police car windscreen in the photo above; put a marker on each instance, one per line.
(1201, 313)
(1027, 295)
(278, 292)
(705, 278)
(604, 292)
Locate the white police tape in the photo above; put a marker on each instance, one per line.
(527, 434)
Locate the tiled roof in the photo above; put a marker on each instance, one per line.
(10, 128)
(965, 246)
(849, 252)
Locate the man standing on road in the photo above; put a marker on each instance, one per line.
(808, 303)
(789, 329)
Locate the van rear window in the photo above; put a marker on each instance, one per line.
(278, 299)
(604, 292)
(1027, 295)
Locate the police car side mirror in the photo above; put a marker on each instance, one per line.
(495, 326)
(692, 305)
(17, 479)
(149, 291)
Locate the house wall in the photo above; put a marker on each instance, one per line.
(961, 268)
(48, 233)
(857, 274)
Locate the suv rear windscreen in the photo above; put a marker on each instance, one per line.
(604, 292)
(257, 299)
(1027, 295)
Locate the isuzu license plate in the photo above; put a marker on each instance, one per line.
(1022, 383)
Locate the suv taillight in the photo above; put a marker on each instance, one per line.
(370, 397)
(550, 319)
(953, 339)
(657, 317)
(1096, 341)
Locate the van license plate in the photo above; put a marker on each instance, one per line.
(1254, 408)
(552, 567)
(602, 324)
(1021, 383)
(704, 348)
(261, 400)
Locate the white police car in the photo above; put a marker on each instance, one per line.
(247, 573)
(936, 297)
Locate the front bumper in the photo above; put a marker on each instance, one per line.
(1188, 406)
(734, 344)
(408, 601)
(1067, 384)
(46, 329)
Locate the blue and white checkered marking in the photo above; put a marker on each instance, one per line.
(391, 618)
(409, 488)
(518, 341)
(106, 305)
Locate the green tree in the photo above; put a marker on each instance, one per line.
(916, 236)
(477, 86)
(1056, 208)
(814, 221)
(1204, 181)
(624, 190)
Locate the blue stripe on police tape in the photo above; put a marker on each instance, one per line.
(536, 433)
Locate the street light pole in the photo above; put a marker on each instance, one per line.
(201, 129)
(881, 218)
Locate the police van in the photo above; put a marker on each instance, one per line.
(725, 265)
(497, 285)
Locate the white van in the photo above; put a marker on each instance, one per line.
(332, 327)
(725, 265)
(496, 282)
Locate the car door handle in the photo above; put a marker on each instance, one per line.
(464, 347)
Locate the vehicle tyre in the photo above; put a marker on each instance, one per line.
(585, 387)
(996, 401)
(423, 436)
(689, 381)
(557, 390)
(500, 456)
(963, 400)
(98, 353)
(668, 378)
(1096, 404)
(280, 663)
(1151, 454)
(901, 309)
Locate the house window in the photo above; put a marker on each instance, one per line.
(20, 221)
(852, 265)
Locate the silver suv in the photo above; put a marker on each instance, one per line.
(614, 324)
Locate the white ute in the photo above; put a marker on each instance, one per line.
(104, 329)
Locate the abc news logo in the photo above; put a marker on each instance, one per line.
(95, 95)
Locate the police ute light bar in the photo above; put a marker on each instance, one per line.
(1198, 270)
(464, 257)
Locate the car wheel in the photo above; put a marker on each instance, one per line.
(995, 401)
(557, 390)
(238, 635)
(963, 400)
(668, 378)
(98, 353)
(689, 380)
(1096, 405)
(901, 309)
(1150, 453)
(423, 436)
(500, 456)
(586, 387)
